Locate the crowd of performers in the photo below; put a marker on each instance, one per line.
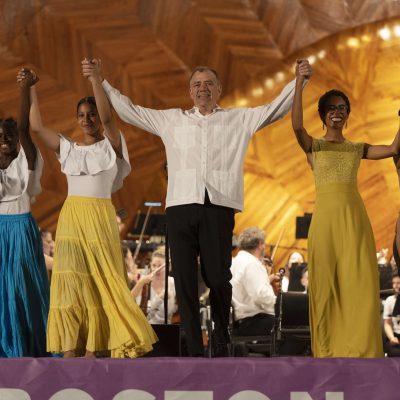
(89, 308)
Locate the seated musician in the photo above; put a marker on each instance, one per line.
(293, 271)
(149, 290)
(48, 250)
(391, 320)
(253, 297)
(130, 265)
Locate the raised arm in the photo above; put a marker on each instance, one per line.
(103, 105)
(304, 139)
(23, 117)
(47, 135)
(144, 280)
(380, 151)
(153, 121)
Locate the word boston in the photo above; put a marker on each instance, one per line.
(134, 394)
(199, 379)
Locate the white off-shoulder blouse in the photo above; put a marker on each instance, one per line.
(94, 170)
(19, 185)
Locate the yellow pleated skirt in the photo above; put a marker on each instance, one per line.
(343, 277)
(91, 307)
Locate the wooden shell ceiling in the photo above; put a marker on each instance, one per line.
(148, 48)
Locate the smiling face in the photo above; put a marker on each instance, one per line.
(396, 284)
(88, 119)
(336, 112)
(8, 137)
(205, 89)
(157, 262)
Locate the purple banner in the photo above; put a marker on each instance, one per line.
(200, 379)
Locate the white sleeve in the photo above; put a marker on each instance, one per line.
(148, 119)
(17, 179)
(85, 160)
(388, 308)
(258, 286)
(259, 117)
(65, 149)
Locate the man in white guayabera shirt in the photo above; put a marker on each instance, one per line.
(205, 148)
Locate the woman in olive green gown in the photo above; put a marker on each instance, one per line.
(343, 273)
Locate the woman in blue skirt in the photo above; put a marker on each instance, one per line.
(24, 286)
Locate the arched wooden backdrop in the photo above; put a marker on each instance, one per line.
(148, 48)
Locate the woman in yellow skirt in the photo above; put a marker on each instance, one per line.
(91, 309)
(343, 273)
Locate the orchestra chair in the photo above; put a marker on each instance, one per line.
(169, 341)
(248, 346)
(291, 332)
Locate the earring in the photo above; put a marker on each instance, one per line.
(323, 126)
(346, 125)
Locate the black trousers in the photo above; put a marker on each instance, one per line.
(257, 325)
(201, 230)
(392, 350)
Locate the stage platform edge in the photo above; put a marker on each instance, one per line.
(291, 378)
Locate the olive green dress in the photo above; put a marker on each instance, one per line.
(343, 272)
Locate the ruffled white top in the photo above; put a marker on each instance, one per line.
(19, 185)
(94, 170)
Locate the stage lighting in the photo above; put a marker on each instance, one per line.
(269, 83)
(384, 33)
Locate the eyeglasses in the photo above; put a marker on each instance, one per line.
(333, 108)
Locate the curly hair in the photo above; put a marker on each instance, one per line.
(250, 238)
(9, 123)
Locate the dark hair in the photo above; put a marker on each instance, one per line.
(324, 99)
(89, 99)
(202, 68)
(125, 247)
(9, 123)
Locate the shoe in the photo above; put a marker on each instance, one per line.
(220, 343)
(220, 350)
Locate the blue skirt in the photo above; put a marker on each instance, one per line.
(24, 288)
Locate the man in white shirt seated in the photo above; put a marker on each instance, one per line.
(391, 320)
(253, 297)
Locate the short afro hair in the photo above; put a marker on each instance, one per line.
(9, 123)
(323, 100)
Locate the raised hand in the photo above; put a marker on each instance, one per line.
(146, 279)
(91, 69)
(303, 69)
(26, 77)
